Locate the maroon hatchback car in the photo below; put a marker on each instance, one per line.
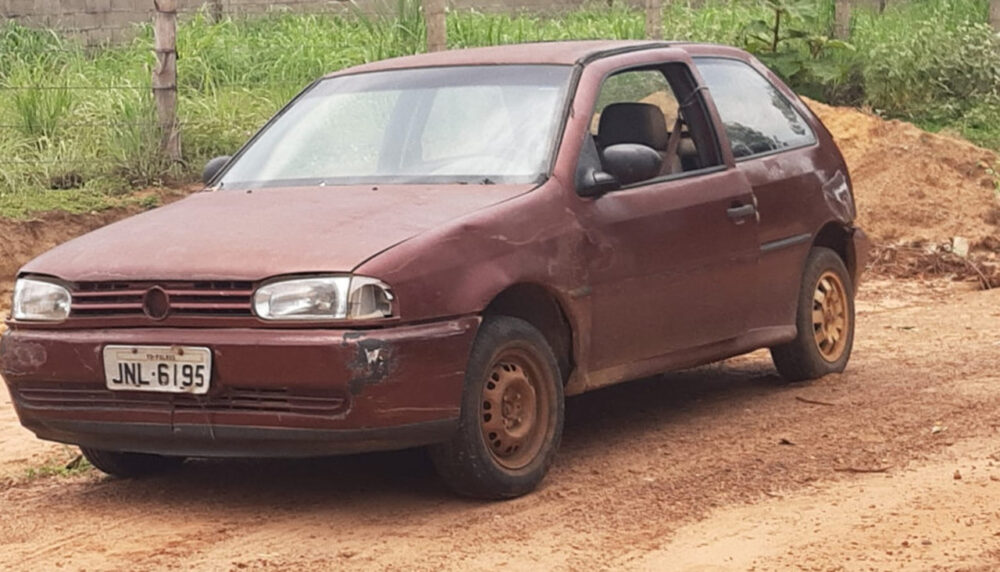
(434, 250)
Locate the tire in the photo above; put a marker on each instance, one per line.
(512, 414)
(824, 321)
(130, 465)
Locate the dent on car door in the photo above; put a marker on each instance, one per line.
(775, 147)
(680, 248)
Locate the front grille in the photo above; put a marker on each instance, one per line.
(74, 396)
(125, 299)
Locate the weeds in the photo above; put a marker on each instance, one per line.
(39, 108)
(933, 67)
(77, 465)
(91, 134)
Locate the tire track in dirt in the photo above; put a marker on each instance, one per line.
(920, 517)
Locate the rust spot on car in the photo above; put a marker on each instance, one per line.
(373, 363)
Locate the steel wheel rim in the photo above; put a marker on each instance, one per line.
(514, 408)
(830, 317)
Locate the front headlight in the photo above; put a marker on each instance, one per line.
(324, 298)
(40, 301)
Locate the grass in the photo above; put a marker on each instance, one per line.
(934, 63)
(78, 130)
(77, 465)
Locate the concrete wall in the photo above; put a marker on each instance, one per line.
(93, 21)
(96, 21)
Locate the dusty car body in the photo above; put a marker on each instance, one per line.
(582, 276)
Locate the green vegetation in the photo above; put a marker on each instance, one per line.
(937, 63)
(77, 465)
(78, 129)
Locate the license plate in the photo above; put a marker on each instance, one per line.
(166, 369)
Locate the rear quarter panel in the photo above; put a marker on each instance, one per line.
(798, 191)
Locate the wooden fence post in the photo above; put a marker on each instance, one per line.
(436, 24)
(165, 76)
(995, 15)
(842, 19)
(215, 10)
(654, 20)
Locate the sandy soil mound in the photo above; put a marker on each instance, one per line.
(917, 192)
(913, 186)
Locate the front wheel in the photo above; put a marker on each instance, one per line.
(512, 414)
(824, 320)
(130, 465)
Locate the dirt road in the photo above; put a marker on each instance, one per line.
(893, 465)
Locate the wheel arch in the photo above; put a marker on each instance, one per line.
(837, 237)
(544, 310)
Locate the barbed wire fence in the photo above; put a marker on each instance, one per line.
(119, 21)
(44, 124)
(36, 99)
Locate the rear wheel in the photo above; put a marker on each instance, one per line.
(825, 321)
(512, 414)
(130, 465)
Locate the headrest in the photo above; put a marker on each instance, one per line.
(641, 123)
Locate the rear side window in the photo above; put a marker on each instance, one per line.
(757, 117)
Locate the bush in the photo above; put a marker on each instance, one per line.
(933, 63)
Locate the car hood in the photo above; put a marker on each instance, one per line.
(251, 235)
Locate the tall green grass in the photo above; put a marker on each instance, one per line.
(91, 133)
(936, 63)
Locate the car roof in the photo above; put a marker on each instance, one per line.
(558, 53)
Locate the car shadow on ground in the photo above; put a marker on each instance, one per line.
(629, 411)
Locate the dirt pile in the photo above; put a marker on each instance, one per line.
(916, 192)
(913, 186)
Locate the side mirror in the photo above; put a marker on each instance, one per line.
(213, 167)
(631, 162)
(594, 183)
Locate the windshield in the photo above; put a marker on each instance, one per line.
(463, 124)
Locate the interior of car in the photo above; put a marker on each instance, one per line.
(642, 106)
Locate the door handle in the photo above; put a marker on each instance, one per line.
(740, 212)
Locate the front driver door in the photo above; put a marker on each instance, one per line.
(675, 256)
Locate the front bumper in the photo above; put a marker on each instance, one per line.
(274, 393)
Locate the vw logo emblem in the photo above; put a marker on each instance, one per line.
(156, 303)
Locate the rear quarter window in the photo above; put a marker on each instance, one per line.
(757, 117)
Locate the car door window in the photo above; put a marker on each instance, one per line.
(757, 117)
(658, 107)
(641, 86)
